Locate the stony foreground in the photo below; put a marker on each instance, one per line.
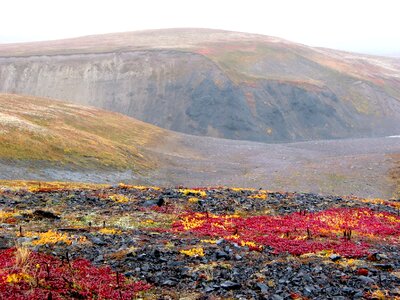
(215, 243)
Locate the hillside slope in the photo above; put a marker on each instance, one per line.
(44, 139)
(43, 133)
(215, 83)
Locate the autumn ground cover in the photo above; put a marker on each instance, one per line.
(39, 276)
(348, 232)
(69, 241)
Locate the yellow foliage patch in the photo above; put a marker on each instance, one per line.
(137, 187)
(36, 186)
(236, 189)
(19, 277)
(193, 200)
(49, 237)
(193, 252)
(191, 223)
(4, 215)
(109, 231)
(187, 192)
(233, 237)
(379, 295)
(119, 198)
(259, 196)
(248, 244)
(209, 241)
(148, 221)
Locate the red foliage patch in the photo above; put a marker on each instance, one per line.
(362, 271)
(348, 232)
(46, 277)
(165, 209)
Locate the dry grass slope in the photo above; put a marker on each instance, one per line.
(32, 185)
(45, 130)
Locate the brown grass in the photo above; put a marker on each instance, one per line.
(22, 254)
(51, 131)
(55, 185)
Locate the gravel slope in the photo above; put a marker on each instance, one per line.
(359, 166)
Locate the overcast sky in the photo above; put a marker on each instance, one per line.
(366, 26)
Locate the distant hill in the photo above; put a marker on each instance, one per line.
(215, 83)
(45, 139)
(48, 133)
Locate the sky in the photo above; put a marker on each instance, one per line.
(365, 26)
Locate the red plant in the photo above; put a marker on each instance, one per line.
(45, 276)
(362, 271)
(165, 209)
(298, 233)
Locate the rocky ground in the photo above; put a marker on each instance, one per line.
(362, 167)
(216, 243)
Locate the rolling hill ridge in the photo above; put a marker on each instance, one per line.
(46, 139)
(215, 83)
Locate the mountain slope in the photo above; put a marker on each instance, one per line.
(61, 134)
(215, 83)
(44, 139)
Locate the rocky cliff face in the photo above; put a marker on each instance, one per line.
(207, 93)
(181, 91)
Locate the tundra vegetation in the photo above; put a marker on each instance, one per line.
(67, 241)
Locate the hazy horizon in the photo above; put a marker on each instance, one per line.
(359, 26)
